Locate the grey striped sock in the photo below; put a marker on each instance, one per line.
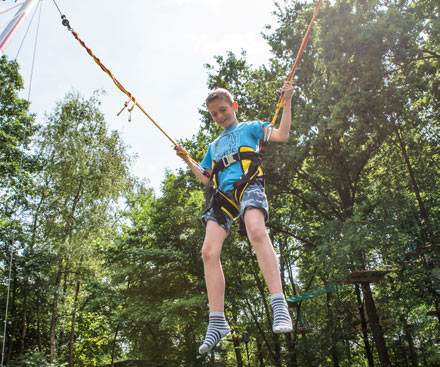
(217, 329)
(282, 323)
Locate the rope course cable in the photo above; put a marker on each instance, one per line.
(35, 52)
(25, 34)
(5, 11)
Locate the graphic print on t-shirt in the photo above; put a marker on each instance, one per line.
(226, 145)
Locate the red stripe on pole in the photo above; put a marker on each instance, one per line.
(11, 33)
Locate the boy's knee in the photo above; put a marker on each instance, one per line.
(255, 226)
(209, 252)
(256, 231)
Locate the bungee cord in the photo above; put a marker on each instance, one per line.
(135, 103)
(281, 102)
(131, 99)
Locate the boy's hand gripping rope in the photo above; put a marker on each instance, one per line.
(281, 101)
(182, 153)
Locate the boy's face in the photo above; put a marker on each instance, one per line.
(223, 112)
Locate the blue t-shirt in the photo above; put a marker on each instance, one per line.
(244, 134)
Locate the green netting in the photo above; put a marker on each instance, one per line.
(327, 289)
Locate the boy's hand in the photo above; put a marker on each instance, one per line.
(180, 151)
(287, 90)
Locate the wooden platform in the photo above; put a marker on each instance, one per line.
(433, 313)
(366, 276)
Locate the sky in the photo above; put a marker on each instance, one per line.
(157, 50)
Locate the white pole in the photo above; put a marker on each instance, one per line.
(15, 23)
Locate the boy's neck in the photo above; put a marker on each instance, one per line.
(230, 126)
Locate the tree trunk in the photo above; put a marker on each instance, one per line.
(115, 339)
(410, 341)
(72, 324)
(236, 343)
(54, 315)
(260, 352)
(331, 331)
(277, 348)
(292, 348)
(40, 344)
(364, 327)
(61, 338)
(375, 326)
(308, 357)
(24, 323)
(423, 212)
(283, 263)
(347, 347)
(12, 313)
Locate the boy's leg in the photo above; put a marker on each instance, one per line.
(214, 278)
(215, 285)
(266, 256)
(267, 260)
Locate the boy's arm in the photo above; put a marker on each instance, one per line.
(281, 134)
(181, 152)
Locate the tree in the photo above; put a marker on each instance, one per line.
(16, 164)
(86, 170)
(75, 200)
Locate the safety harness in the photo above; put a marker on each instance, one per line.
(251, 166)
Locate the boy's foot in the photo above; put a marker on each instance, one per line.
(218, 328)
(282, 323)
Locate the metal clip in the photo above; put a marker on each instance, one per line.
(65, 22)
(130, 109)
(228, 160)
(268, 133)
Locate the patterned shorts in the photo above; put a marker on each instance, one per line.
(253, 197)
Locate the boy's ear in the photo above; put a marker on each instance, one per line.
(235, 105)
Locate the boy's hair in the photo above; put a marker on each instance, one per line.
(219, 93)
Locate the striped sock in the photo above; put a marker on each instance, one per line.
(217, 329)
(282, 323)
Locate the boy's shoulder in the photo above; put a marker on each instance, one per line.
(246, 127)
(252, 127)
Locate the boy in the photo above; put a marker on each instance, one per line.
(224, 162)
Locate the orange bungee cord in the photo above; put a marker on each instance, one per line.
(132, 99)
(298, 57)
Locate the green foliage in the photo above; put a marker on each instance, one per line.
(16, 126)
(33, 359)
(355, 188)
(16, 161)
